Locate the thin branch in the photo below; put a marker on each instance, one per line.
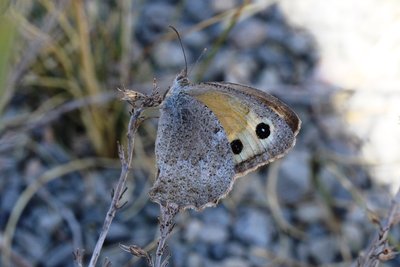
(379, 249)
(167, 216)
(126, 163)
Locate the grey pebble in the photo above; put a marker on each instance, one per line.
(300, 43)
(198, 40)
(249, 33)
(268, 78)
(192, 230)
(218, 215)
(118, 231)
(213, 234)
(236, 249)
(323, 249)
(310, 212)
(235, 262)
(210, 233)
(169, 55)
(294, 177)
(60, 255)
(195, 260)
(154, 20)
(34, 246)
(179, 252)
(223, 5)
(353, 236)
(254, 227)
(241, 70)
(198, 10)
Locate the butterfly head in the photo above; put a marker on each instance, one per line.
(180, 81)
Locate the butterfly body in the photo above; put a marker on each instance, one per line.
(211, 133)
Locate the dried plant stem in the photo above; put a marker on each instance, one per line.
(120, 187)
(379, 249)
(167, 216)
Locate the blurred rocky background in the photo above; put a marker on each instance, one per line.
(336, 63)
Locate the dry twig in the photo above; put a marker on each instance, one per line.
(167, 224)
(126, 162)
(126, 159)
(379, 249)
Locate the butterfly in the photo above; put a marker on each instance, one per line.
(213, 132)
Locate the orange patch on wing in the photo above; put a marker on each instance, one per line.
(230, 112)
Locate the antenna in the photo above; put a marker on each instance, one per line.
(183, 50)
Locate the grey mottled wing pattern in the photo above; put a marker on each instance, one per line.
(194, 157)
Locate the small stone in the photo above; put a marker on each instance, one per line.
(268, 78)
(222, 5)
(323, 250)
(50, 222)
(169, 55)
(310, 212)
(221, 63)
(59, 255)
(300, 43)
(194, 260)
(235, 262)
(33, 246)
(151, 210)
(332, 185)
(277, 33)
(353, 235)
(218, 251)
(271, 55)
(153, 21)
(356, 215)
(118, 231)
(192, 231)
(236, 249)
(294, 177)
(273, 13)
(241, 70)
(198, 10)
(143, 235)
(202, 249)
(249, 33)
(196, 40)
(302, 252)
(254, 227)
(218, 215)
(258, 257)
(179, 253)
(251, 189)
(9, 197)
(213, 233)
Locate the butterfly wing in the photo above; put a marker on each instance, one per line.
(259, 127)
(194, 158)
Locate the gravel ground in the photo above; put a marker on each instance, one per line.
(312, 208)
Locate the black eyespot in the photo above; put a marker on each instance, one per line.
(262, 130)
(237, 146)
